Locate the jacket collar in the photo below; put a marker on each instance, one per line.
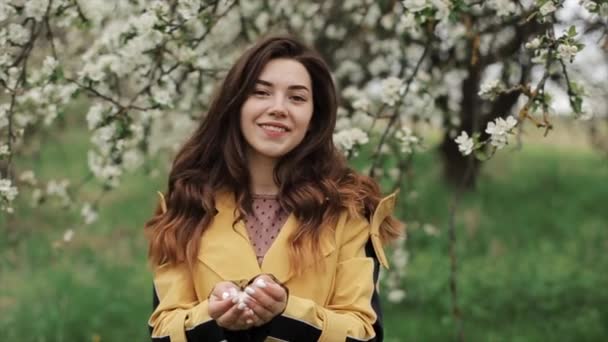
(227, 250)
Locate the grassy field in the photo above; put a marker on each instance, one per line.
(532, 243)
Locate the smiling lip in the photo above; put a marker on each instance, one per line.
(274, 130)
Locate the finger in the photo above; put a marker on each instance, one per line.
(230, 318)
(269, 286)
(218, 307)
(262, 304)
(248, 317)
(245, 320)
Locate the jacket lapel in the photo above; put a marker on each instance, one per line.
(276, 260)
(226, 249)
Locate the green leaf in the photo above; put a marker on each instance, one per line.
(482, 154)
(577, 104)
(572, 31)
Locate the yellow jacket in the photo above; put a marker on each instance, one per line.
(339, 304)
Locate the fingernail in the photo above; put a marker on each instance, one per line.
(250, 290)
(225, 295)
(249, 321)
(242, 306)
(235, 300)
(260, 283)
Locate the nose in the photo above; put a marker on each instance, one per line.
(278, 106)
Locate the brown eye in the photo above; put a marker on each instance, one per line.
(260, 93)
(299, 98)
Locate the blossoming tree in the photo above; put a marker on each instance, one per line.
(147, 68)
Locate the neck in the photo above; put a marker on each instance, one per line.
(261, 170)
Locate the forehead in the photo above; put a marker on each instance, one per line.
(285, 72)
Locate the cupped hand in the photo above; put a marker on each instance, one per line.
(266, 298)
(226, 309)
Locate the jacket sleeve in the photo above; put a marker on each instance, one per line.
(353, 312)
(177, 315)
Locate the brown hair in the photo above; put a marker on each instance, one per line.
(315, 182)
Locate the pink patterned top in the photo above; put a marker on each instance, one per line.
(264, 224)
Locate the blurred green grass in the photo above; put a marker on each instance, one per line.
(532, 241)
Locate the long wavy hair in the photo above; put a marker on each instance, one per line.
(315, 182)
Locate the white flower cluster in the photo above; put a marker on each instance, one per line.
(490, 89)
(465, 143)
(503, 8)
(400, 259)
(416, 5)
(88, 213)
(533, 44)
(4, 150)
(547, 8)
(406, 139)
(392, 89)
(589, 5)
(6, 11)
(59, 188)
(35, 9)
(347, 139)
(8, 193)
(567, 51)
(499, 131)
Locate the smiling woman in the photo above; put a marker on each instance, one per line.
(264, 232)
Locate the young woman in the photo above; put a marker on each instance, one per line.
(264, 232)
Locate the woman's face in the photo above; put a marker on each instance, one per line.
(276, 115)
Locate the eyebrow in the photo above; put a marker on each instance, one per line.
(295, 86)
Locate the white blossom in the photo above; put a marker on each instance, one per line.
(396, 295)
(6, 11)
(566, 51)
(444, 7)
(604, 9)
(28, 177)
(465, 143)
(533, 44)
(48, 66)
(430, 229)
(4, 115)
(363, 104)
(4, 150)
(490, 89)
(540, 56)
(349, 138)
(8, 193)
(407, 21)
(88, 213)
(95, 115)
(407, 140)
(68, 235)
(503, 8)
(391, 89)
(499, 131)
(144, 23)
(59, 188)
(35, 9)
(5, 59)
(18, 34)
(547, 8)
(589, 5)
(188, 9)
(415, 5)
